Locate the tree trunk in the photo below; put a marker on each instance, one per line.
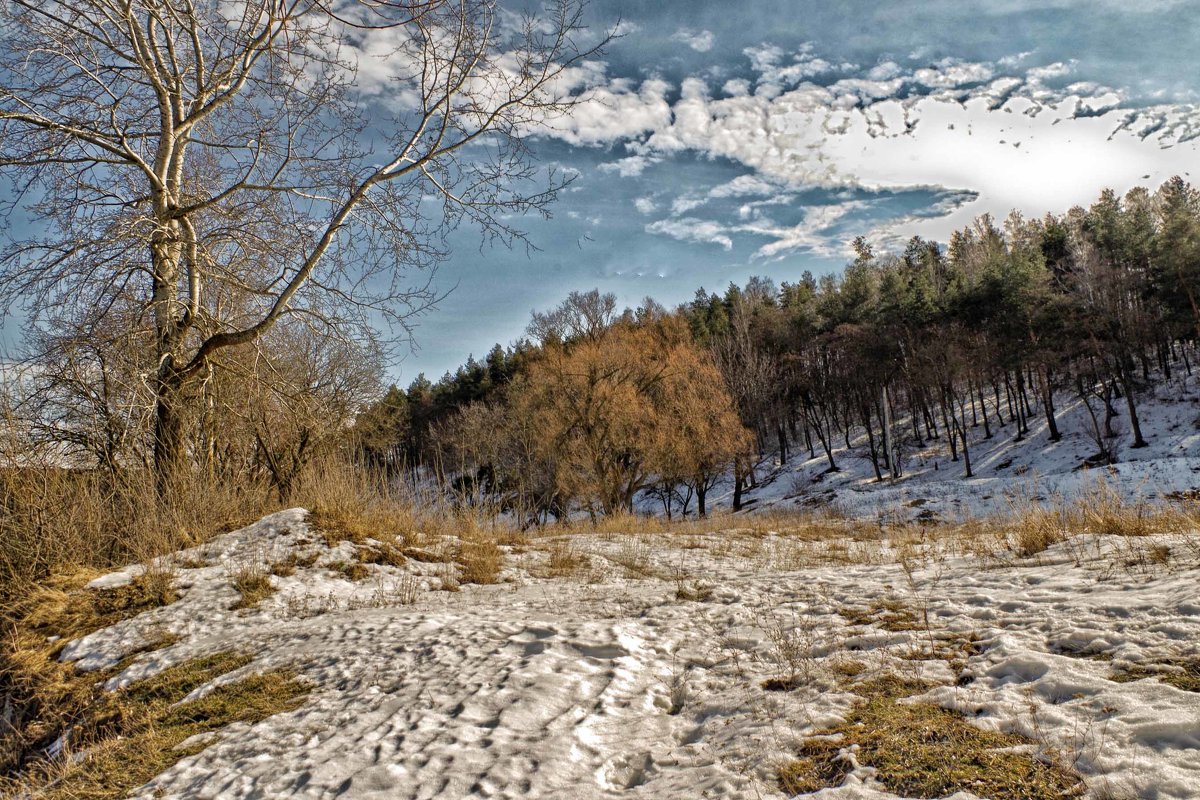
(1048, 403)
(987, 428)
(962, 429)
(950, 429)
(168, 429)
(1134, 424)
(737, 486)
(866, 412)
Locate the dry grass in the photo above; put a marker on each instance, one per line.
(565, 559)
(285, 567)
(125, 738)
(479, 558)
(1102, 510)
(355, 571)
(43, 695)
(354, 505)
(922, 750)
(890, 614)
(253, 583)
(1033, 530)
(806, 524)
(383, 554)
(352, 523)
(56, 522)
(1182, 672)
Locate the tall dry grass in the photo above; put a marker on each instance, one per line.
(55, 521)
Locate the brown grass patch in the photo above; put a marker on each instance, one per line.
(848, 667)
(565, 559)
(253, 583)
(890, 614)
(1034, 530)
(1182, 673)
(925, 751)
(127, 737)
(43, 695)
(480, 559)
(347, 522)
(56, 521)
(383, 554)
(352, 570)
(1103, 510)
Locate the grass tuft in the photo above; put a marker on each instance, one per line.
(924, 751)
(890, 614)
(480, 559)
(1182, 673)
(127, 737)
(253, 583)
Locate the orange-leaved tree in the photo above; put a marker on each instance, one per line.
(640, 402)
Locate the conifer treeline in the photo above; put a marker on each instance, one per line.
(958, 343)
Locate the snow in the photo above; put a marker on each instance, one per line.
(1007, 471)
(604, 683)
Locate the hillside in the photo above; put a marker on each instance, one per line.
(688, 663)
(1007, 472)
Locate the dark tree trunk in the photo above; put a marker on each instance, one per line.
(950, 430)
(962, 430)
(737, 486)
(1134, 424)
(987, 428)
(1048, 403)
(168, 429)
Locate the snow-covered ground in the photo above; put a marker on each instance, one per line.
(638, 673)
(1005, 470)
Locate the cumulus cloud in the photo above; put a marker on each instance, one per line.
(991, 131)
(701, 41)
(690, 229)
(813, 233)
(631, 166)
(615, 111)
(645, 205)
(950, 73)
(743, 185)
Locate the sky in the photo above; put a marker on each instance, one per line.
(722, 140)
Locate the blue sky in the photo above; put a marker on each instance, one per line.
(731, 139)
(726, 139)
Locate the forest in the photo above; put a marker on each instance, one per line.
(961, 342)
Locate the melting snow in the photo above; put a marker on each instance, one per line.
(606, 684)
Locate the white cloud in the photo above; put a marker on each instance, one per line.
(1012, 140)
(645, 205)
(773, 74)
(690, 229)
(736, 87)
(686, 203)
(884, 71)
(743, 185)
(812, 234)
(949, 74)
(629, 167)
(1055, 70)
(615, 111)
(701, 41)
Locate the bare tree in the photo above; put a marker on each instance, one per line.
(226, 165)
(583, 315)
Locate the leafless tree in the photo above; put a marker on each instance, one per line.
(583, 315)
(224, 165)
